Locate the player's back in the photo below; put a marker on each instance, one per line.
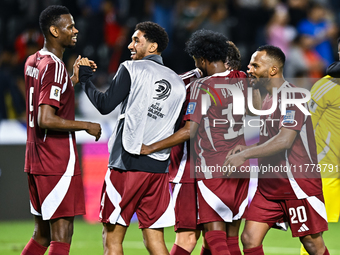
(219, 130)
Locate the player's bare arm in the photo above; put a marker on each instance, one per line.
(47, 119)
(282, 141)
(182, 135)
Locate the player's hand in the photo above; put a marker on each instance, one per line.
(236, 149)
(94, 129)
(75, 76)
(87, 62)
(146, 150)
(233, 161)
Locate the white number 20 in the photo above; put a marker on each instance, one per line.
(300, 212)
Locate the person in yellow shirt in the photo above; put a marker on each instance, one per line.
(325, 109)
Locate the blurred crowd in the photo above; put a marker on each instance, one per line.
(306, 30)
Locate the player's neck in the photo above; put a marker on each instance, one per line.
(54, 48)
(275, 83)
(216, 67)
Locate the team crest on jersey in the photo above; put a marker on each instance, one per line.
(191, 108)
(163, 89)
(55, 93)
(289, 117)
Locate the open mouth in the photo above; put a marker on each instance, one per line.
(133, 53)
(74, 39)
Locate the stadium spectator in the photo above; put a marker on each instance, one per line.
(286, 195)
(152, 96)
(51, 161)
(304, 60)
(12, 101)
(325, 109)
(278, 32)
(320, 30)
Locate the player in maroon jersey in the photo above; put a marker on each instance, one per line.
(185, 237)
(288, 189)
(51, 161)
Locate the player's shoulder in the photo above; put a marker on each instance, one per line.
(327, 85)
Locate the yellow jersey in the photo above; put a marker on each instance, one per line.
(325, 109)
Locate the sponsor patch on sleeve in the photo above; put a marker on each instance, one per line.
(312, 105)
(289, 118)
(55, 93)
(191, 108)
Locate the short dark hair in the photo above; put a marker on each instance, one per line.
(208, 45)
(154, 33)
(50, 16)
(234, 56)
(274, 52)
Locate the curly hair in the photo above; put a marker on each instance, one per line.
(234, 56)
(208, 44)
(50, 16)
(154, 33)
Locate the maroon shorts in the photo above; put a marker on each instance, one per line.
(184, 196)
(222, 199)
(147, 194)
(55, 196)
(305, 216)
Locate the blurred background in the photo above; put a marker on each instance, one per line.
(305, 30)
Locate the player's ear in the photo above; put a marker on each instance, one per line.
(54, 31)
(153, 48)
(274, 70)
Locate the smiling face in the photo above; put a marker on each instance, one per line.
(139, 46)
(259, 68)
(67, 33)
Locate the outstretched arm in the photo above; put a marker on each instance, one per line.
(113, 96)
(182, 135)
(47, 119)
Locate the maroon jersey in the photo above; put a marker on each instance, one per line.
(301, 159)
(219, 129)
(47, 82)
(179, 169)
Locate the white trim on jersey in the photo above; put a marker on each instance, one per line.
(42, 77)
(176, 192)
(318, 206)
(33, 211)
(181, 167)
(56, 196)
(196, 88)
(207, 174)
(59, 67)
(115, 199)
(326, 149)
(304, 139)
(215, 203)
(208, 132)
(323, 90)
(241, 209)
(168, 217)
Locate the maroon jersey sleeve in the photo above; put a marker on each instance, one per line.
(52, 84)
(194, 112)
